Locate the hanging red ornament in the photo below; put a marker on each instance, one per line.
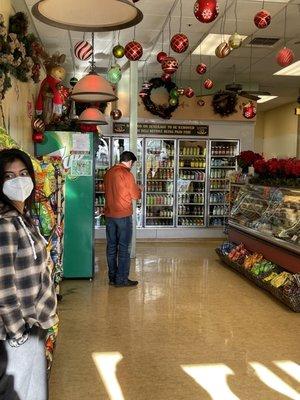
(201, 103)
(201, 69)
(116, 114)
(262, 19)
(83, 50)
(285, 57)
(38, 125)
(37, 137)
(133, 51)
(249, 110)
(161, 56)
(179, 43)
(189, 92)
(206, 10)
(166, 77)
(222, 50)
(208, 84)
(169, 65)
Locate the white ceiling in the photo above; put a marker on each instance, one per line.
(148, 33)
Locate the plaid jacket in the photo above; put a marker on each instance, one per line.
(27, 294)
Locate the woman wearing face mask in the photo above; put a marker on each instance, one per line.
(27, 294)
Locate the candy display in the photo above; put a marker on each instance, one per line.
(282, 284)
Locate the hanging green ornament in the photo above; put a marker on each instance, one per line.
(173, 101)
(174, 93)
(114, 74)
(118, 51)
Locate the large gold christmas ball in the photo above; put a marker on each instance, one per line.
(118, 51)
(235, 40)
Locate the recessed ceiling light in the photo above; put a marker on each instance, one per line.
(264, 99)
(208, 46)
(291, 70)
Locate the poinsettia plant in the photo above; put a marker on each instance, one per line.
(277, 172)
(247, 158)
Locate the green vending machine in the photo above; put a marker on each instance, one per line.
(77, 152)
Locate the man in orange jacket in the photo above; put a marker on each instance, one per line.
(120, 189)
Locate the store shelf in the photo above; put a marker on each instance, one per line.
(97, 192)
(219, 204)
(191, 204)
(219, 190)
(190, 216)
(160, 180)
(220, 156)
(159, 205)
(170, 193)
(158, 217)
(223, 167)
(219, 216)
(192, 180)
(191, 156)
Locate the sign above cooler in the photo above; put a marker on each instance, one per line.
(147, 129)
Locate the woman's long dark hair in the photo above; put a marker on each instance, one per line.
(8, 156)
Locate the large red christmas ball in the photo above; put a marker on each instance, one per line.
(37, 137)
(133, 51)
(201, 69)
(116, 114)
(262, 19)
(179, 43)
(249, 110)
(208, 84)
(166, 77)
(169, 65)
(222, 50)
(206, 10)
(83, 50)
(161, 56)
(189, 92)
(285, 57)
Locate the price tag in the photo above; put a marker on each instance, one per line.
(294, 238)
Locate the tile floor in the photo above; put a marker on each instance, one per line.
(193, 329)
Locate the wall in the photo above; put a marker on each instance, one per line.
(259, 133)
(279, 130)
(19, 101)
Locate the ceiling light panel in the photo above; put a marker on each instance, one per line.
(291, 70)
(264, 99)
(208, 46)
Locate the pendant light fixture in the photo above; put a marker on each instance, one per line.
(88, 15)
(92, 116)
(93, 87)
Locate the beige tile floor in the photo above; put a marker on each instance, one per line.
(192, 329)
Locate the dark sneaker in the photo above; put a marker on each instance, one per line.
(112, 283)
(126, 284)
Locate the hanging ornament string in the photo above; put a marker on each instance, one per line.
(263, 4)
(93, 64)
(235, 15)
(180, 20)
(119, 37)
(250, 67)
(162, 40)
(224, 21)
(170, 34)
(284, 32)
(134, 31)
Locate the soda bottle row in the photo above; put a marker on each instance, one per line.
(223, 150)
(222, 162)
(155, 186)
(218, 184)
(100, 200)
(185, 210)
(99, 186)
(194, 163)
(159, 222)
(220, 197)
(217, 222)
(160, 213)
(219, 210)
(190, 221)
(218, 173)
(99, 173)
(166, 163)
(155, 199)
(192, 151)
(196, 198)
(192, 175)
(161, 174)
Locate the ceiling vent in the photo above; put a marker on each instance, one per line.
(263, 42)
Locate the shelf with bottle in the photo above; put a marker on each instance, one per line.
(164, 174)
(219, 184)
(157, 217)
(160, 222)
(160, 186)
(184, 209)
(218, 173)
(155, 200)
(189, 198)
(218, 198)
(190, 222)
(196, 163)
(217, 222)
(195, 150)
(223, 150)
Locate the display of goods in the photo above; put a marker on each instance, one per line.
(201, 68)
(251, 259)
(161, 56)
(169, 65)
(133, 51)
(227, 247)
(292, 289)
(262, 267)
(285, 57)
(206, 11)
(281, 279)
(272, 275)
(179, 43)
(238, 254)
(83, 50)
(223, 50)
(118, 51)
(262, 19)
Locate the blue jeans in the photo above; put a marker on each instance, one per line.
(118, 236)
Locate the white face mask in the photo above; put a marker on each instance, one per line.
(18, 189)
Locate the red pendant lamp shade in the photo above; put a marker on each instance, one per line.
(92, 116)
(91, 88)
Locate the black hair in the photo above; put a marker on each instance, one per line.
(7, 156)
(127, 156)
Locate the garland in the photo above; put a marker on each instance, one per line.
(224, 103)
(162, 110)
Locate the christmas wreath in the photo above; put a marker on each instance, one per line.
(162, 110)
(224, 103)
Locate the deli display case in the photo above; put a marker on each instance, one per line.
(222, 160)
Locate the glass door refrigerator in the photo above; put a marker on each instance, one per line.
(159, 183)
(192, 161)
(222, 156)
(102, 163)
(120, 145)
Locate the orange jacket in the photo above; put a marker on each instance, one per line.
(120, 189)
